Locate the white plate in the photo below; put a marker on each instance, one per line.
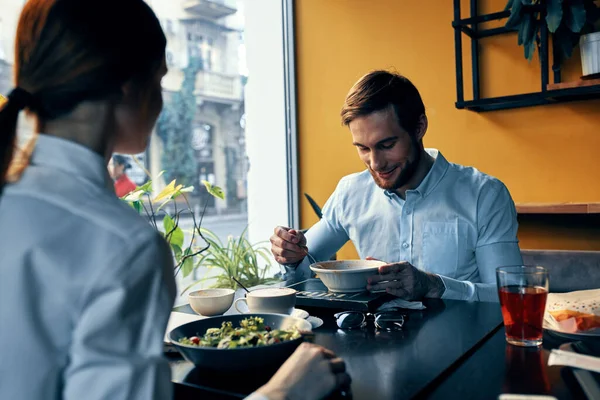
(298, 313)
(593, 334)
(583, 300)
(315, 321)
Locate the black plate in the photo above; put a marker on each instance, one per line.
(313, 293)
(238, 359)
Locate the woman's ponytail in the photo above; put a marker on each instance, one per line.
(18, 100)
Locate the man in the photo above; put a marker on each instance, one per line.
(443, 227)
(123, 185)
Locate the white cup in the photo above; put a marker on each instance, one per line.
(270, 300)
(209, 302)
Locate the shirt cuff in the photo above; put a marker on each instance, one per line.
(289, 271)
(303, 270)
(469, 291)
(256, 396)
(457, 290)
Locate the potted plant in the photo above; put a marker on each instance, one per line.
(589, 45)
(236, 258)
(142, 200)
(566, 20)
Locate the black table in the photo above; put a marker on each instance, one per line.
(384, 365)
(498, 367)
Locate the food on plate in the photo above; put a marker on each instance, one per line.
(574, 312)
(580, 321)
(252, 332)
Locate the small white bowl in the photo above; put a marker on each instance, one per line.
(346, 276)
(210, 302)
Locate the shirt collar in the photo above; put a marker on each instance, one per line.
(433, 177)
(75, 159)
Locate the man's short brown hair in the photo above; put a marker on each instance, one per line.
(379, 90)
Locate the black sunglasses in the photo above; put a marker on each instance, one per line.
(385, 320)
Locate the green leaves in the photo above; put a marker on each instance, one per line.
(528, 32)
(137, 206)
(515, 7)
(529, 36)
(141, 200)
(236, 258)
(575, 17)
(169, 192)
(188, 263)
(554, 14)
(566, 41)
(173, 234)
(565, 19)
(214, 190)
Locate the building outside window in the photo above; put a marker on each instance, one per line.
(202, 133)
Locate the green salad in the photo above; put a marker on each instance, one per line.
(252, 332)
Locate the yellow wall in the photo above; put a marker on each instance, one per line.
(543, 154)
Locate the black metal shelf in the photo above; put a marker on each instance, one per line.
(470, 27)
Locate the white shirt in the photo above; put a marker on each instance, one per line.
(86, 285)
(458, 223)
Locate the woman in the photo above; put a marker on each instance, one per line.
(123, 185)
(86, 285)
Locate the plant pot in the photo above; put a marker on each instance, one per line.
(590, 53)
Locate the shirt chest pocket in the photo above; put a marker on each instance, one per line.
(444, 243)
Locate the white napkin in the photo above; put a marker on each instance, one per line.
(576, 360)
(411, 305)
(177, 319)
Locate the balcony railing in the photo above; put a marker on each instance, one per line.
(208, 8)
(219, 87)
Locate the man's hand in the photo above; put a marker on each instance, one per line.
(288, 245)
(407, 282)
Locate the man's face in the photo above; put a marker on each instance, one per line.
(389, 152)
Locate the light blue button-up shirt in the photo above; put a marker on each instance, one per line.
(458, 223)
(86, 285)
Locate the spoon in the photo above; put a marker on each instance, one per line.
(310, 257)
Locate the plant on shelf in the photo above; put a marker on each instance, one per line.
(567, 20)
(142, 201)
(237, 258)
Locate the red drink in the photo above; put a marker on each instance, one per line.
(523, 313)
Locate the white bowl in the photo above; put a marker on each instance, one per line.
(210, 302)
(346, 276)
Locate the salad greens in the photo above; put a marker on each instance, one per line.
(252, 332)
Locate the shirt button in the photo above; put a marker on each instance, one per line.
(405, 245)
(408, 212)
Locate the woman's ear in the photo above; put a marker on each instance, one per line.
(128, 92)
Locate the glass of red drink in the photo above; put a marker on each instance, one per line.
(523, 290)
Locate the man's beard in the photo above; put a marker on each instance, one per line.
(407, 171)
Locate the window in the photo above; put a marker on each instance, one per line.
(235, 134)
(170, 59)
(169, 28)
(237, 137)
